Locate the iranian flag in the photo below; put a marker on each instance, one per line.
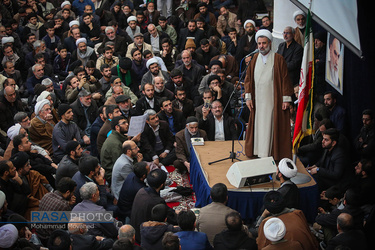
(303, 125)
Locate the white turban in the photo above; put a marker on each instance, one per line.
(8, 235)
(2, 199)
(131, 18)
(286, 170)
(81, 40)
(64, 3)
(297, 13)
(74, 22)
(7, 39)
(274, 229)
(263, 32)
(39, 105)
(151, 61)
(249, 21)
(13, 132)
(43, 96)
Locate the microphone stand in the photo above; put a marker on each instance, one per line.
(232, 154)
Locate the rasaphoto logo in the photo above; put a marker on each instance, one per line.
(64, 217)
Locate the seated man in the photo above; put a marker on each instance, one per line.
(107, 58)
(68, 165)
(189, 238)
(111, 111)
(330, 169)
(90, 195)
(154, 70)
(85, 112)
(81, 239)
(183, 143)
(234, 237)
(218, 126)
(132, 184)
(294, 220)
(286, 170)
(42, 125)
(365, 141)
(147, 198)
(124, 166)
(152, 231)
(211, 218)
(157, 140)
(148, 100)
(65, 131)
(174, 117)
(160, 90)
(91, 172)
(182, 103)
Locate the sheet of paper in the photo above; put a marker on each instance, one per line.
(137, 124)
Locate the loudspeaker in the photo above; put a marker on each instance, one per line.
(252, 172)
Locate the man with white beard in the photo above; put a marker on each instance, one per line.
(160, 90)
(183, 143)
(121, 42)
(268, 93)
(299, 18)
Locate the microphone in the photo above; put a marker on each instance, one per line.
(252, 53)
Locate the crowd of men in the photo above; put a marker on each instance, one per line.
(74, 73)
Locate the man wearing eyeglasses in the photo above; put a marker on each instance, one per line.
(292, 53)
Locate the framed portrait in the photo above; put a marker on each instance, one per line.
(335, 63)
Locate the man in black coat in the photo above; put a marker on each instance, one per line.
(85, 111)
(247, 43)
(146, 199)
(190, 31)
(148, 100)
(218, 126)
(174, 117)
(157, 140)
(292, 53)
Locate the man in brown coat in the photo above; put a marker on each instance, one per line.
(183, 143)
(268, 93)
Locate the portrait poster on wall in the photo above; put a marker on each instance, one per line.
(335, 63)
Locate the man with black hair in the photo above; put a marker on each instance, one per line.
(90, 171)
(337, 113)
(171, 241)
(364, 143)
(181, 102)
(132, 184)
(14, 188)
(152, 231)
(60, 200)
(234, 237)
(211, 218)
(331, 167)
(148, 100)
(68, 165)
(147, 198)
(64, 131)
(112, 146)
(95, 128)
(351, 206)
(174, 117)
(207, 51)
(189, 238)
(111, 111)
(59, 240)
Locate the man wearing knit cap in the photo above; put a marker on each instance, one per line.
(183, 143)
(247, 43)
(274, 230)
(64, 131)
(268, 93)
(294, 220)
